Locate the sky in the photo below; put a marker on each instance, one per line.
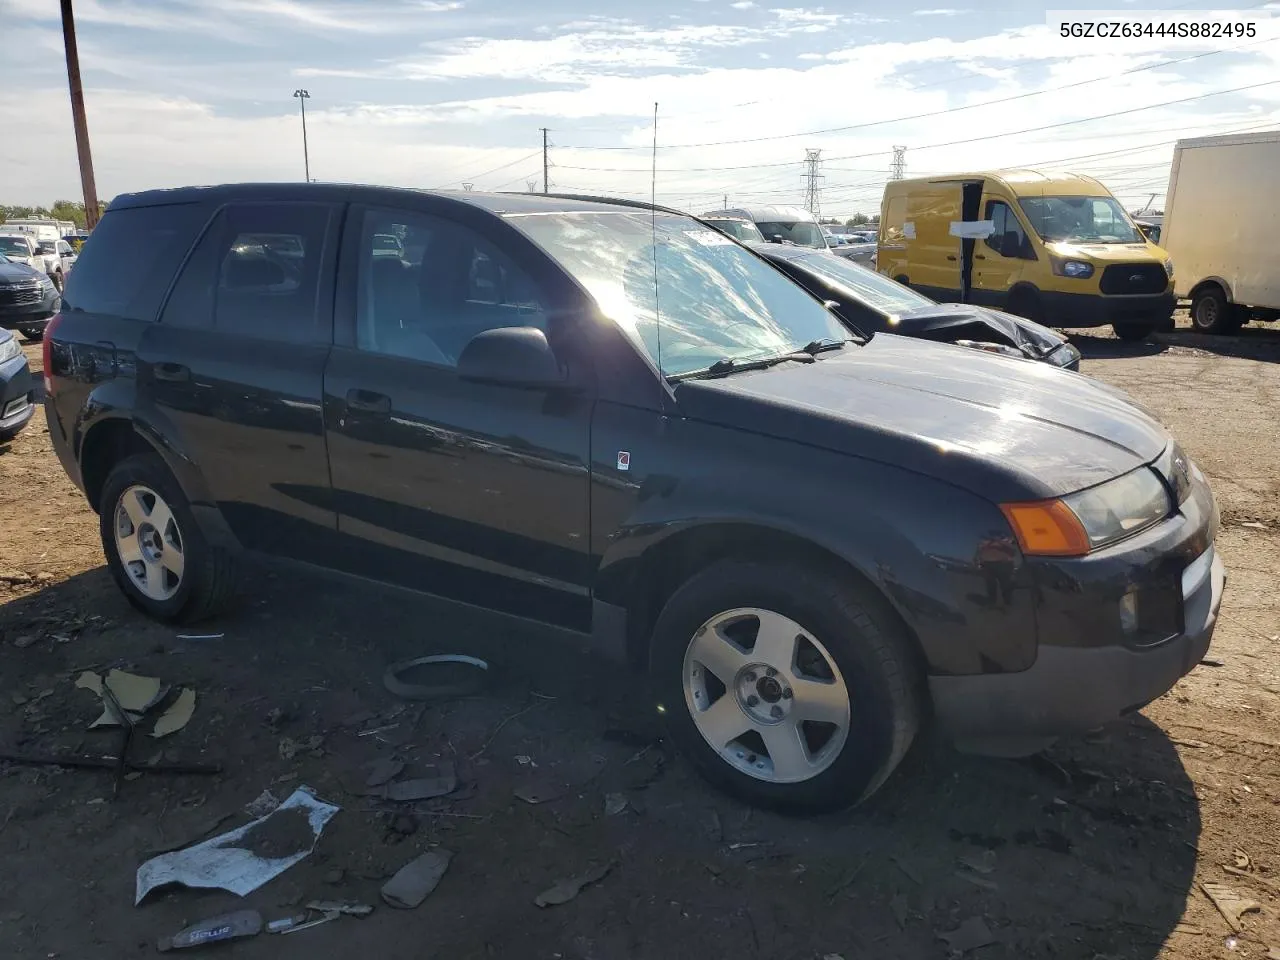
(444, 93)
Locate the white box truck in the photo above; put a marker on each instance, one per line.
(1222, 228)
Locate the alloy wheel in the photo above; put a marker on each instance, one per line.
(149, 542)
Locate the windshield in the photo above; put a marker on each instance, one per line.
(715, 299)
(743, 230)
(1079, 220)
(801, 232)
(16, 246)
(866, 286)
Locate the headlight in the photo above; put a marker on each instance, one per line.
(1083, 522)
(9, 349)
(1180, 472)
(1066, 355)
(45, 281)
(1168, 267)
(1077, 269)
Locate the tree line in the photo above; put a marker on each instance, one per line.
(72, 210)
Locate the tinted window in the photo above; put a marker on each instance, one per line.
(1007, 236)
(255, 273)
(126, 265)
(15, 246)
(1080, 219)
(863, 285)
(711, 299)
(800, 232)
(427, 285)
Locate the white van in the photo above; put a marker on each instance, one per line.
(794, 225)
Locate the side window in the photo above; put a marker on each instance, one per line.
(125, 267)
(255, 273)
(1008, 238)
(427, 285)
(64, 248)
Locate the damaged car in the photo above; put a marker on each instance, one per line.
(873, 303)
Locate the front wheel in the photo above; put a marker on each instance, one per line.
(1133, 332)
(155, 550)
(790, 689)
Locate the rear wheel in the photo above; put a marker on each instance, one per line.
(1211, 312)
(788, 688)
(1133, 332)
(154, 548)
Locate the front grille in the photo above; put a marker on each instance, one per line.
(1121, 278)
(20, 296)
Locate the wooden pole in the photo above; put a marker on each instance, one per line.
(90, 189)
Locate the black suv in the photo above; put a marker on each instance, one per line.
(617, 420)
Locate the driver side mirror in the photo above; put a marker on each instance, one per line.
(511, 357)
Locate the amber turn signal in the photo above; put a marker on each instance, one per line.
(1047, 528)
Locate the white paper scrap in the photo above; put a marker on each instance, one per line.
(217, 863)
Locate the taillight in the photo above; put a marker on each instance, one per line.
(47, 352)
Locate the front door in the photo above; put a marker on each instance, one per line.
(235, 367)
(1000, 257)
(471, 491)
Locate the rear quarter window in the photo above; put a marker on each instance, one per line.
(125, 266)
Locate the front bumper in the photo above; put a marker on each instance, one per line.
(29, 315)
(17, 397)
(1088, 670)
(1096, 310)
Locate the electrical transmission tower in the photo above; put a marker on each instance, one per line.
(899, 163)
(532, 185)
(813, 182)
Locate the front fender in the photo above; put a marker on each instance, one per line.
(942, 557)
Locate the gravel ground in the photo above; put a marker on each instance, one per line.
(1100, 850)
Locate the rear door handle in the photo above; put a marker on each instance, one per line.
(979, 256)
(367, 401)
(172, 372)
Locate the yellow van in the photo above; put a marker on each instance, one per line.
(1057, 249)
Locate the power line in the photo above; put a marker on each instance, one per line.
(948, 110)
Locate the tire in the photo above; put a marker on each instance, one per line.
(1133, 332)
(1211, 312)
(859, 645)
(31, 334)
(206, 581)
(1026, 304)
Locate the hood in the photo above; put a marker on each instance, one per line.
(11, 272)
(999, 427)
(1105, 252)
(966, 321)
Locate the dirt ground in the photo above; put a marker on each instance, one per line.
(1098, 851)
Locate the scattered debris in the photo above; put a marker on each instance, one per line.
(404, 824)
(614, 804)
(346, 908)
(525, 761)
(984, 862)
(1230, 904)
(135, 695)
(977, 881)
(1272, 885)
(201, 636)
(26, 640)
(1241, 858)
(264, 804)
(970, 935)
(1189, 929)
(335, 876)
(229, 926)
(286, 923)
(383, 771)
(1193, 744)
(290, 748)
(536, 792)
(227, 862)
(308, 924)
(424, 788)
(1210, 662)
(415, 881)
(393, 680)
(177, 716)
(1273, 954)
(565, 890)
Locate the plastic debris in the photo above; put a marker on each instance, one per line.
(423, 788)
(271, 845)
(290, 748)
(347, 908)
(285, 923)
(201, 636)
(136, 695)
(565, 890)
(615, 803)
(383, 771)
(970, 935)
(1241, 858)
(262, 805)
(177, 716)
(1229, 903)
(416, 880)
(229, 926)
(394, 681)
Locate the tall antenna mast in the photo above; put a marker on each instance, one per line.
(813, 181)
(899, 163)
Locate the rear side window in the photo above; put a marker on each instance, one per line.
(255, 273)
(125, 267)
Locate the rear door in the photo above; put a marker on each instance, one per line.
(472, 491)
(235, 369)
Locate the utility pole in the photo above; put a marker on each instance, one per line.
(302, 97)
(545, 164)
(87, 185)
(899, 163)
(726, 202)
(813, 181)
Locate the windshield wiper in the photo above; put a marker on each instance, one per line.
(819, 346)
(727, 365)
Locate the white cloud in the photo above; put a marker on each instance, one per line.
(743, 4)
(939, 12)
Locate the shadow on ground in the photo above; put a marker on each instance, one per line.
(1090, 850)
(1250, 343)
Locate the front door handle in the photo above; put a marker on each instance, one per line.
(367, 401)
(950, 256)
(172, 372)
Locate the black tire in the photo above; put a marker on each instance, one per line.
(209, 575)
(57, 280)
(31, 334)
(1133, 332)
(1026, 304)
(869, 646)
(1211, 312)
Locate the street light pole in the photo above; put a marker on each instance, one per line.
(302, 97)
